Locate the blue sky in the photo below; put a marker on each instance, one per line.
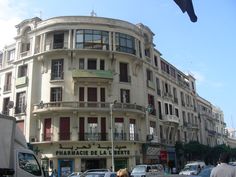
(205, 48)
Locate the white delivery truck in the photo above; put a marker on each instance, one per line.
(16, 160)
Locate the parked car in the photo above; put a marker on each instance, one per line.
(205, 172)
(147, 170)
(99, 174)
(232, 163)
(192, 168)
(75, 174)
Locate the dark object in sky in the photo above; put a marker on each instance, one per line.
(187, 5)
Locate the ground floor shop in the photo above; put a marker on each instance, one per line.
(66, 158)
(159, 154)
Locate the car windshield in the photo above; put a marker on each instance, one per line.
(190, 168)
(139, 169)
(95, 175)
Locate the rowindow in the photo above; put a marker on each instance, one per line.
(125, 43)
(22, 71)
(56, 94)
(20, 102)
(92, 39)
(57, 69)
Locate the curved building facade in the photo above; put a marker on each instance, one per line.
(87, 90)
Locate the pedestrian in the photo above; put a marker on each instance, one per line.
(223, 169)
(122, 173)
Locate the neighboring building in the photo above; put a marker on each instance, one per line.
(220, 125)
(70, 80)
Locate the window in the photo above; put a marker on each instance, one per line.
(166, 109)
(125, 43)
(7, 85)
(92, 94)
(58, 41)
(176, 112)
(5, 109)
(102, 95)
(165, 67)
(124, 96)
(20, 102)
(64, 128)
(57, 69)
(124, 77)
(92, 128)
(149, 75)
(81, 63)
(28, 163)
(102, 64)
(22, 71)
(92, 64)
(11, 55)
(119, 129)
(56, 94)
(132, 129)
(155, 61)
(92, 39)
(151, 102)
(47, 129)
(152, 128)
(1, 56)
(159, 110)
(158, 86)
(81, 94)
(172, 72)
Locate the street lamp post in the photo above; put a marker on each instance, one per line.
(112, 139)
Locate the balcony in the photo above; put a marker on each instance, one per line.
(150, 84)
(21, 81)
(91, 75)
(171, 119)
(86, 107)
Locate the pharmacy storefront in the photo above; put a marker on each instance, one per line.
(69, 157)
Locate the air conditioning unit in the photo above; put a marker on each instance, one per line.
(155, 139)
(33, 139)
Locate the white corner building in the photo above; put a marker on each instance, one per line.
(89, 90)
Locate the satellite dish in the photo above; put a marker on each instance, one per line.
(10, 104)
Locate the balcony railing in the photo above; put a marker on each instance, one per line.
(92, 137)
(47, 137)
(64, 136)
(171, 118)
(58, 45)
(41, 107)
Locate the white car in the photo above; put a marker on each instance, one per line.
(192, 168)
(75, 174)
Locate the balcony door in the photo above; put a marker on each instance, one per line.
(92, 96)
(64, 128)
(47, 129)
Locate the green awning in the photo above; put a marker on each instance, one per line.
(92, 74)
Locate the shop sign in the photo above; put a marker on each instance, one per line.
(89, 151)
(163, 155)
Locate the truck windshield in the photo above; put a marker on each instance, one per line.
(28, 163)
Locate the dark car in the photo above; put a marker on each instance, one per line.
(205, 172)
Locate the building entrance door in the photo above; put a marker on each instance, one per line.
(65, 167)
